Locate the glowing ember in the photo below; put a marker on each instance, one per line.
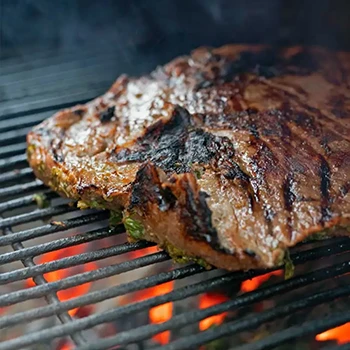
(254, 283)
(66, 346)
(208, 300)
(53, 276)
(157, 314)
(142, 252)
(161, 313)
(341, 334)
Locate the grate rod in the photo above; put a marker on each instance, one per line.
(36, 214)
(12, 136)
(83, 258)
(29, 120)
(49, 229)
(59, 244)
(254, 320)
(101, 295)
(64, 317)
(84, 277)
(36, 185)
(91, 297)
(184, 319)
(13, 161)
(11, 150)
(306, 328)
(135, 335)
(23, 201)
(95, 275)
(14, 175)
(51, 108)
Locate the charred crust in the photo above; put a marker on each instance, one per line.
(249, 252)
(57, 157)
(344, 189)
(107, 114)
(268, 63)
(325, 177)
(289, 198)
(196, 215)
(147, 188)
(172, 145)
(288, 194)
(203, 84)
(56, 149)
(224, 152)
(79, 112)
(83, 187)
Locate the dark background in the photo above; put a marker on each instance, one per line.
(168, 27)
(54, 52)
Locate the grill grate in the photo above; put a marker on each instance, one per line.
(26, 236)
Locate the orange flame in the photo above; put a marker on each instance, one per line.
(66, 346)
(341, 334)
(254, 283)
(53, 276)
(160, 313)
(208, 300)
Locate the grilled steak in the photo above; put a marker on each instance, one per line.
(228, 156)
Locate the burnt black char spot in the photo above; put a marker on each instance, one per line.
(173, 145)
(250, 252)
(83, 187)
(197, 217)
(147, 189)
(325, 175)
(79, 112)
(107, 114)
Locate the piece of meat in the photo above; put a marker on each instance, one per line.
(228, 156)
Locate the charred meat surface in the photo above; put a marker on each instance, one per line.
(228, 156)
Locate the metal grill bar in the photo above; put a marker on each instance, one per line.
(36, 185)
(13, 161)
(36, 214)
(85, 277)
(44, 108)
(104, 294)
(58, 244)
(13, 123)
(23, 201)
(182, 320)
(49, 229)
(75, 260)
(15, 175)
(11, 150)
(13, 136)
(51, 298)
(311, 327)
(288, 285)
(251, 322)
(140, 333)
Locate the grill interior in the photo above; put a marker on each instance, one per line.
(28, 232)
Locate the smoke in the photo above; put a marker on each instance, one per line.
(165, 28)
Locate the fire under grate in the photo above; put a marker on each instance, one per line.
(102, 268)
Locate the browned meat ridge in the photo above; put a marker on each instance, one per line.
(228, 156)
